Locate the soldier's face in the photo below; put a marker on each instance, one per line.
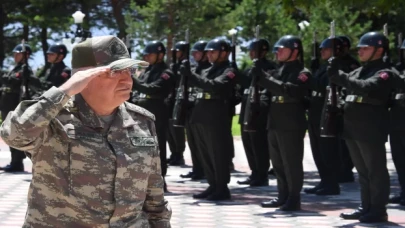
(179, 54)
(213, 56)
(283, 54)
(365, 53)
(18, 57)
(51, 57)
(326, 53)
(150, 58)
(252, 54)
(111, 89)
(197, 55)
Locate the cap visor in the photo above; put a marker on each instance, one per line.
(362, 45)
(125, 63)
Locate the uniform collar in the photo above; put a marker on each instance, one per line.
(90, 119)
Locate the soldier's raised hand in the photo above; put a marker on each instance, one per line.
(81, 79)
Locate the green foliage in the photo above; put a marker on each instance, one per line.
(235, 126)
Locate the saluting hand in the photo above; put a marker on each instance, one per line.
(81, 79)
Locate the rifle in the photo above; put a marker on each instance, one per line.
(386, 57)
(253, 103)
(330, 109)
(180, 106)
(24, 92)
(315, 54)
(400, 52)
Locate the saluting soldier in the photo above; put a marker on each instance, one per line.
(211, 118)
(366, 120)
(176, 137)
(287, 121)
(255, 143)
(345, 171)
(200, 56)
(397, 133)
(13, 92)
(58, 73)
(152, 88)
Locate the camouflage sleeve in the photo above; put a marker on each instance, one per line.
(155, 206)
(28, 126)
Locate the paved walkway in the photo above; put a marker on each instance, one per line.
(242, 211)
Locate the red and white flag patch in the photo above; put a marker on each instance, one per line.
(303, 77)
(230, 75)
(64, 75)
(17, 75)
(384, 75)
(165, 76)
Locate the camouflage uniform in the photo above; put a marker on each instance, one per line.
(84, 173)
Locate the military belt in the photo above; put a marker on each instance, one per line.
(317, 94)
(207, 96)
(147, 96)
(283, 99)
(8, 90)
(363, 100)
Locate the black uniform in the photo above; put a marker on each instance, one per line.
(56, 75)
(176, 137)
(11, 95)
(192, 135)
(397, 136)
(151, 89)
(286, 130)
(345, 173)
(365, 129)
(255, 143)
(211, 119)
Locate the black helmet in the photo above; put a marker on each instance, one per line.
(154, 47)
(217, 45)
(263, 44)
(199, 46)
(327, 43)
(373, 39)
(346, 41)
(181, 46)
(57, 48)
(18, 49)
(288, 41)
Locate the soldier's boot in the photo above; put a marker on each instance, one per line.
(218, 195)
(346, 177)
(395, 199)
(260, 180)
(277, 202)
(292, 204)
(313, 189)
(247, 181)
(205, 193)
(14, 167)
(197, 176)
(374, 217)
(271, 172)
(188, 175)
(328, 191)
(353, 215)
(177, 161)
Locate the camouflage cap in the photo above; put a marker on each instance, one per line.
(103, 51)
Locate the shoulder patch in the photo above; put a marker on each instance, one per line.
(230, 75)
(384, 75)
(64, 74)
(17, 75)
(303, 77)
(165, 76)
(139, 110)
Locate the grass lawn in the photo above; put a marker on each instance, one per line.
(235, 126)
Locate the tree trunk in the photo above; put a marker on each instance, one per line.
(117, 6)
(44, 37)
(2, 25)
(170, 25)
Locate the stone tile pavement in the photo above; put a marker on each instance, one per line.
(242, 211)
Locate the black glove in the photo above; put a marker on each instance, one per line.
(185, 68)
(333, 68)
(314, 64)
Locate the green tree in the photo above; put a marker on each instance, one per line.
(165, 19)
